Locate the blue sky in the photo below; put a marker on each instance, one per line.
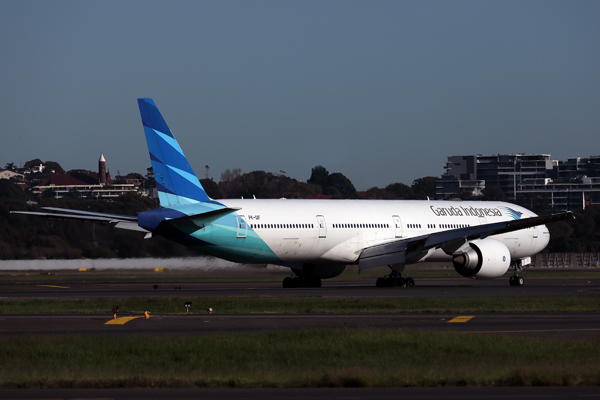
(382, 91)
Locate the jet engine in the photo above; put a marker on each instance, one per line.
(482, 259)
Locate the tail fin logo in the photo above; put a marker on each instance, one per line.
(176, 182)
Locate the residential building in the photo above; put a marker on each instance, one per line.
(565, 185)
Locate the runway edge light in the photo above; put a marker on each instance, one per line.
(187, 305)
(210, 310)
(115, 310)
(147, 314)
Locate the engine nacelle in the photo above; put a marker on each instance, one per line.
(482, 259)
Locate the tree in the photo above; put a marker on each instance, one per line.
(318, 176)
(54, 166)
(493, 193)
(150, 182)
(341, 183)
(424, 187)
(400, 190)
(33, 163)
(331, 191)
(211, 188)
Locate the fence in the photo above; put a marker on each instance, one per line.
(566, 260)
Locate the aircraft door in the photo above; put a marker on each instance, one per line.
(242, 227)
(397, 226)
(322, 226)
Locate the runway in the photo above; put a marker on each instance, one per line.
(332, 289)
(563, 324)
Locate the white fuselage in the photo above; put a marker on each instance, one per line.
(336, 231)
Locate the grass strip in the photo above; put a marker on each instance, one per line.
(303, 304)
(311, 358)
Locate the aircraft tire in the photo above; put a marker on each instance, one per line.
(299, 283)
(519, 281)
(389, 282)
(380, 282)
(410, 282)
(287, 282)
(511, 280)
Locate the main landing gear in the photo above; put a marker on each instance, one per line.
(516, 280)
(299, 282)
(395, 280)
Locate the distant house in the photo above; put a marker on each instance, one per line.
(84, 184)
(7, 174)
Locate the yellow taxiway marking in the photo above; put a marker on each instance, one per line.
(121, 320)
(462, 318)
(62, 287)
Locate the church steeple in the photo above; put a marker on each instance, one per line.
(102, 170)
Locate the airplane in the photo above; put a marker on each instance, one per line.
(318, 239)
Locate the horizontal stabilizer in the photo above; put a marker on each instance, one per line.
(201, 220)
(97, 217)
(97, 214)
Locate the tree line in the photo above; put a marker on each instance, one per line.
(27, 237)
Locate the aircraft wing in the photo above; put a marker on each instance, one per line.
(118, 221)
(397, 252)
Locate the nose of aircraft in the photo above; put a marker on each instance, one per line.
(543, 238)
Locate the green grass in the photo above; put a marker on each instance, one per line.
(311, 358)
(308, 304)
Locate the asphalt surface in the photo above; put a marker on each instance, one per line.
(585, 324)
(511, 393)
(348, 289)
(18, 325)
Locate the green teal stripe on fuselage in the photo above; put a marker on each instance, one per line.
(220, 238)
(225, 243)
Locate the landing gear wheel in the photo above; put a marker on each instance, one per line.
(516, 281)
(299, 282)
(519, 281)
(394, 279)
(288, 282)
